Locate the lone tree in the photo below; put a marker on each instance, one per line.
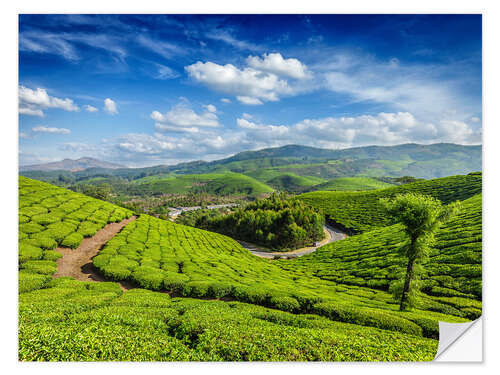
(421, 216)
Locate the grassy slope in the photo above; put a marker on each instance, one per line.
(453, 273)
(287, 181)
(361, 211)
(212, 265)
(352, 184)
(213, 183)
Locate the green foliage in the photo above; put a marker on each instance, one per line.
(72, 240)
(361, 211)
(68, 320)
(52, 216)
(44, 267)
(421, 216)
(352, 184)
(275, 222)
(366, 317)
(215, 183)
(29, 252)
(77, 321)
(29, 281)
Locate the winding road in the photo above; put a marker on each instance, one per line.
(332, 235)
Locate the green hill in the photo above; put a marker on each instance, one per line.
(361, 211)
(422, 161)
(352, 184)
(453, 272)
(284, 181)
(333, 312)
(213, 183)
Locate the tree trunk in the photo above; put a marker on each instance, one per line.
(408, 278)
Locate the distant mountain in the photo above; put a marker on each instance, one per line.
(421, 161)
(71, 165)
(406, 151)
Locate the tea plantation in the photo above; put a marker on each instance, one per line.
(78, 321)
(210, 299)
(360, 211)
(49, 217)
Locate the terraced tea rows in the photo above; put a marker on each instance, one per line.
(50, 217)
(453, 274)
(161, 255)
(188, 262)
(77, 321)
(361, 211)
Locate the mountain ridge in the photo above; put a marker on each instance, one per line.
(72, 165)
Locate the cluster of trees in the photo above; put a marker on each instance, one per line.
(276, 222)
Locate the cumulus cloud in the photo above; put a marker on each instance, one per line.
(275, 63)
(210, 108)
(383, 128)
(45, 129)
(110, 106)
(90, 108)
(182, 118)
(264, 79)
(32, 102)
(209, 143)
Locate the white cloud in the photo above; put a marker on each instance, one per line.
(23, 135)
(418, 88)
(162, 48)
(475, 119)
(246, 116)
(64, 44)
(249, 100)
(383, 129)
(90, 108)
(78, 147)
(45, 129)
(110, 106)
(275, 63)
(245, 83)
(165, 72)
(32, 102)
(225, 100)
(210, 108)
(226, 37)
(182, 118)
(30, 111)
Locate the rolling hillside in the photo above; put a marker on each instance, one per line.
(361, 211)
(352, 184)
(190, 264)
(218, 184)
(421, 161)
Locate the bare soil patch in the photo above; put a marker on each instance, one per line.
(77, 263)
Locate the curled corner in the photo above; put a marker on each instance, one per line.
(449, 333)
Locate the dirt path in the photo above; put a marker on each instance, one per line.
(331, 234)
(77, 263)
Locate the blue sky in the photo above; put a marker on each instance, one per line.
(155, 89)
